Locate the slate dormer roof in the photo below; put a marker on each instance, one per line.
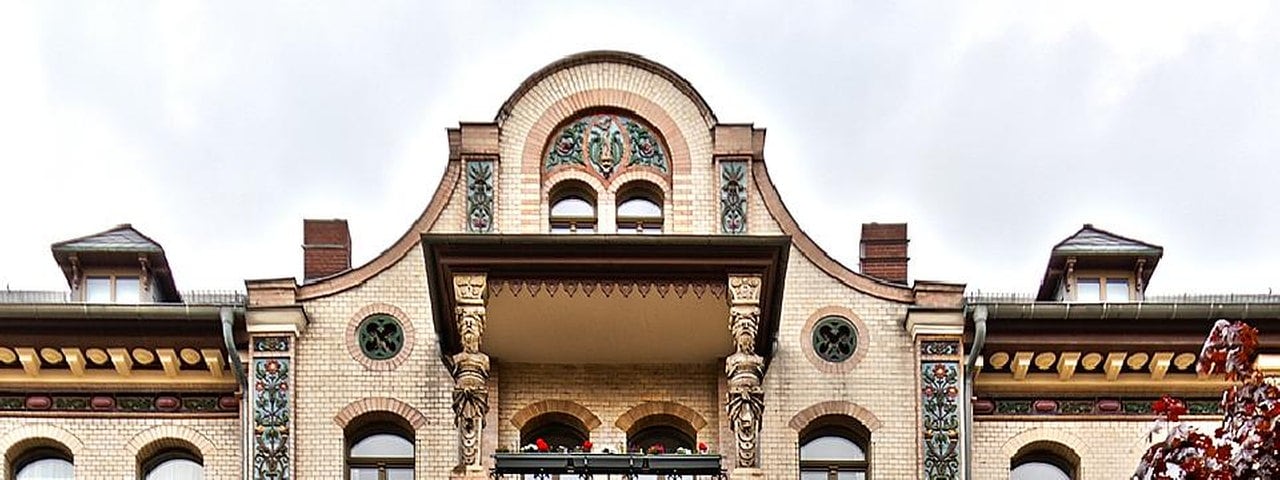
(119, 247)
(1095, 248)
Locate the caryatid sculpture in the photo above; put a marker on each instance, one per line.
(470, 366)
(745, 369)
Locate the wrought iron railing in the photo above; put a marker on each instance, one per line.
(1259, 298)
(195, 297)
(606, 466)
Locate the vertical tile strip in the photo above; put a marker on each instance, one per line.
(480, 190)
(733, 196)
(272, 409)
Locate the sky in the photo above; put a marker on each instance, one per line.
(995, 129)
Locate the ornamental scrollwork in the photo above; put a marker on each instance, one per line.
(940, 420)
(480, 196)
(607, 144)
(733, 196)
(271, 419)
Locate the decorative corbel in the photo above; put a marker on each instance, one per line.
(1068, 279)
(1139, 284)
(745, 369)
(145, 278)
(75, 276)
(470, 366)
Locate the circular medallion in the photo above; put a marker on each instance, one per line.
(380, 336)
(834, 339)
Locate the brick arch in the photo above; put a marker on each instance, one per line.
(1061, 439)
(629, 419)
(18, 440)
(380, 404)
(567, 407)
(541, 130)
(852, 410)
(152, 441)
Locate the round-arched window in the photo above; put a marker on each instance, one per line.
(1044, 461)
(382, 455)
(834, 449)
(639, 209)
(573, 208)
(1038, 471)
(834, 338)
(44, 464)
(558, 430)
(380, 336)
(175, 467)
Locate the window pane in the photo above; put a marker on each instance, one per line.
(126, 290)
(401, 474)
(639, 208)
(97, 290)
(573, 207)
(1088, 290)
(851, 476)
(813, 475)
(1117, 290)
(47, 469)
(178, 469)
(364, 473)
(384, 445)
(831, 448)
(1038, 471)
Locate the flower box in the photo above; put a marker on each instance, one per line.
(605, 463)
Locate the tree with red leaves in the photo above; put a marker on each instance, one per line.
(1246, 446)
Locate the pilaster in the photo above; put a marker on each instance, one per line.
(936, 324)
(274, 321)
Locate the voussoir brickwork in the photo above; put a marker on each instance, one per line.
(567, 407)
(360, 407)
(629, 419)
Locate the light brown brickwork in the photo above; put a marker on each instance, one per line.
(567, 407)
(108, 448)
(389, 405)
(1108, 449)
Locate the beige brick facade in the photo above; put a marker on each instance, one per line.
(114, 448)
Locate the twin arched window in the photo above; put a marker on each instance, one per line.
(834, 448)
(573, 209)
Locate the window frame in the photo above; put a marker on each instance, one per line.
(159, 459)
(40, 453)
(570, 189)
(1046, 458)
(112, 285)
(1103, 278)
(830, 427)
(382, 464)
(635, 224)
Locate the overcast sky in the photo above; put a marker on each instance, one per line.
(994, 128)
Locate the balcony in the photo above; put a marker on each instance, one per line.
(595, 465)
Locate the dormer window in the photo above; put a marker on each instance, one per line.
(1102, 289)
(573, 209)
(639, 210)
(112, 289)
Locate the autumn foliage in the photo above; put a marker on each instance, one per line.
(1246, 445)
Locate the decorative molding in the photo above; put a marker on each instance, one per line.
(121, 402)
(272, 419)
(271, 344)
(734, 176)
(940, 419)
(406, 328)
(470, 367)
(595, 288)
(939, 348)
(1085, 407)
(608, 144)
(481, 175)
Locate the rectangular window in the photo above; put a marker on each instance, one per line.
(97, 290)
(127, 290)
(1088, 290)
(1117, 290)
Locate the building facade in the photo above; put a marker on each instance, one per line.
(604, 284)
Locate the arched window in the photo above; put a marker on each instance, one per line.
(669, 432)
(44, 463)
(558, 430)
(573, 208)
(639, 209)
(379, 447)
(174, 465)
(1044, 461)
(834, 448)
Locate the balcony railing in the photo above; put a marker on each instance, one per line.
(598, 466)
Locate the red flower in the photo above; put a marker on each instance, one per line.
(586, 445)
(702, 447)
(542, 445)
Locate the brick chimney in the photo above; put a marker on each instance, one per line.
(883, 251)
(326, 248)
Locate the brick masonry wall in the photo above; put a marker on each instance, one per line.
(561, 95)
(106, 448)
(609, 391)
(1108, 449)
(882, 383)
(328, 379)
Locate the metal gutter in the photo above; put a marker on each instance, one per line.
(1130, 310)
(105, 311)
(970, 362)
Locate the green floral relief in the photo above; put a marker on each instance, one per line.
(940, 388)
(607, 143)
